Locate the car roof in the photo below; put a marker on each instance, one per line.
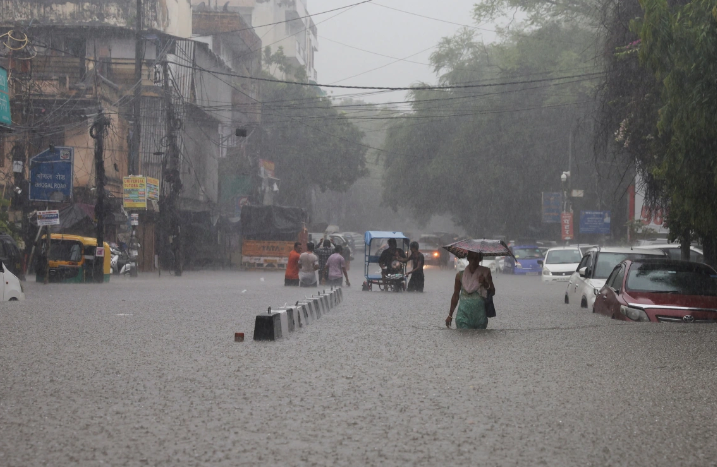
(525, 246)
(671, 246)
(555, 248)
(668, 262)
(642, 251)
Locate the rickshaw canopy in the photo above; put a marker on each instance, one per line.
(382, 234)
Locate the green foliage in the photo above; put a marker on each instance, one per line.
(311, 143)
(539, 12)
(679, 46)
(5, 225)
(485, 155)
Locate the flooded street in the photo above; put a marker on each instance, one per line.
(146, 372)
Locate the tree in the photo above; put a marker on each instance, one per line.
(679, 46)
(310, 142)
(485, 155)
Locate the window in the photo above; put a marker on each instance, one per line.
(617, 282)
(563, 257)
(610, 280)
(607, 261)
(584, 262)
(680, 278)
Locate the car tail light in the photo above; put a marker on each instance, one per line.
(436, 254)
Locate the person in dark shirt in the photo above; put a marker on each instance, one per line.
(323, 254)
(388, 257)
(416, 273)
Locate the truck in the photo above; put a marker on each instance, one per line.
(268, 235)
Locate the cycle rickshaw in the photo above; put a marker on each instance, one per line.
(375, 243)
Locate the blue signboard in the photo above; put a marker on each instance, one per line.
(594, 222)
(5, 117)
(51, 175)
(552, 207)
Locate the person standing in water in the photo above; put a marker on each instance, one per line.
(417, 261)
(471, 288)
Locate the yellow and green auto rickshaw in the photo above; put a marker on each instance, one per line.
(71, 259)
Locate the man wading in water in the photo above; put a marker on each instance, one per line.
(416, 273)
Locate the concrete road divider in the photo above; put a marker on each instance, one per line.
(267, 327)
(278, 323)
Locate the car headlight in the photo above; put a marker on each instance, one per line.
(547, 272)
(634, 314)
(518, 265)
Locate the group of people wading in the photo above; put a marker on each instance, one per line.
(473, 287)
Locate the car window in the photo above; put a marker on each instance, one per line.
(607, 261)
(619, 278)
(681, 278)
(674, 253)
(611, 279)
(563, 257)
(527, 253)
(584, 262)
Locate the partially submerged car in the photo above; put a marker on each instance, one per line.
(594, 268)
(529, 261)
(560, 263)
(11, 288)
(660, 290)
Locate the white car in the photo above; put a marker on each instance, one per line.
(490, 263)
(560, 263)
(594, 268)
(10, 287)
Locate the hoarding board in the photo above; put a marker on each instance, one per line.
(595, 222)
(51, 217)
(134, 192)
(266, 248)
(552, 206)
(566, 226)
(152, 189)
(5, 117)
(51, 175)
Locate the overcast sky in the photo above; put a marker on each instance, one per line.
(377, 29)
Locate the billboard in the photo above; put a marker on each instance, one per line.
(51, 175)
(552, 207)
(595, 222)
(5, 117)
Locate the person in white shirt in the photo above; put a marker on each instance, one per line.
(308, 265)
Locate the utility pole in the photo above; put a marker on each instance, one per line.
(136, 110)
(172, 175)
(97, 132)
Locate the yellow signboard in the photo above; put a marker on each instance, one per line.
(134, 192)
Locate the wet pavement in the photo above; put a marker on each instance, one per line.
(146, 372)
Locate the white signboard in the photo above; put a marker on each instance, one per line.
(48, 218)
(100, 252)
(134, 219)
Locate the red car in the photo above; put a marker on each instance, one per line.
(660, 290)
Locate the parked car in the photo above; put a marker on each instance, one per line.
(660, 290)
(674, 251)
(10, 255)
(594, 268)
(491, 263)
(560, 263)
(11, 289)
(529, 261)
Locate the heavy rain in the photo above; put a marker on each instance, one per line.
(358, 232)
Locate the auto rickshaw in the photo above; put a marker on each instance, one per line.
(376, 242)
(71, 259)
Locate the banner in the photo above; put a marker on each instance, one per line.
(262, 248)
(566, 224)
